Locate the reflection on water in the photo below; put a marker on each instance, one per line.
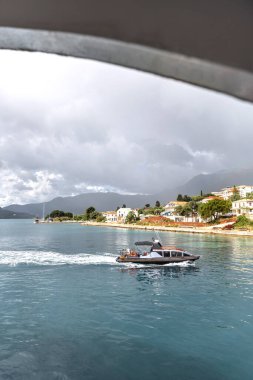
(70, 311)
(151, 274)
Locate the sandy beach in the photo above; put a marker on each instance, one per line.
(213, 230)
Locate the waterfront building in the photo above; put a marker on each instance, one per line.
(170, 213)
(243, 207)
(224, 193)
(110, 216)
(227, 192)
(171, 207)
(186, 219)
(123, 212)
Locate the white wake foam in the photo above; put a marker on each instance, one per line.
(14, 258)
(183, 264)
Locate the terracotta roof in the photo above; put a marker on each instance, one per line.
(211, 197)
(178, 203)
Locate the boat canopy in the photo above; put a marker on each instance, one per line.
(144, 243)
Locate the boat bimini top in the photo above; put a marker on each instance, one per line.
(150, 243)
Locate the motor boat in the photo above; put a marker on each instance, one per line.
(155, 253)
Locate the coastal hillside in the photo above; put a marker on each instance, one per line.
(110, 201)
(6, 214)
(77, 204)
(210, 182)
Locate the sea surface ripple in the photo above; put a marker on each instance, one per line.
(70, 311)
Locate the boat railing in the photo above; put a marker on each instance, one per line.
(170, 247)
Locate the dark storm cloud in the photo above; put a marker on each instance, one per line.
(69, 125)
(170, 154)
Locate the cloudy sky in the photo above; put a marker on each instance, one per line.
(70, 126)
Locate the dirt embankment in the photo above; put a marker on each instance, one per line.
(213, 229)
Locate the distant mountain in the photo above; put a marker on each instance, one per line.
(77, 204)
(6, 214)
(210, 182)
(109, 201)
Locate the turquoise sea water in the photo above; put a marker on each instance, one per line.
(69, 311)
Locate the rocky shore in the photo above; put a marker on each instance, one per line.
(217, 230)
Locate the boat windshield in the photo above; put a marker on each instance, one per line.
(176, 254)
(144, 249)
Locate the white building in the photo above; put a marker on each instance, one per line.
(110, 216)
(186, 219)
(243, 207)
(170, 212)
(244, 190)
(227, 192)
(171, 207)
(123, 212)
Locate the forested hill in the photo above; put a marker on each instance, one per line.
(110, 201)
(77, 204)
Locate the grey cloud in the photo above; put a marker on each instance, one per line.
(80, 123)
(22, 187)
(171, 154)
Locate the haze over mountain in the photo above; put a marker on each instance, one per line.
(110, 201)
(6, 214)
(212, 182)
(77, 204)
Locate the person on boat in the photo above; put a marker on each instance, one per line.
(133, 253)
(156, 245)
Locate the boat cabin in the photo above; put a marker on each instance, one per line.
(155, 253)
(172, 253)
(155, 249)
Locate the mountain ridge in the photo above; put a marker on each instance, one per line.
(110, 201)
(8, 214)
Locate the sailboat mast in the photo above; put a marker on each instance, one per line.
(43, 216)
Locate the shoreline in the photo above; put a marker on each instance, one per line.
(190, 230)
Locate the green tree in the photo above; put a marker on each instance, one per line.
(94, 215)
(149, 211)
(187, 210)
(147, 205)
(124, 206)
(157, 204)
(131, 217)
(57, 214)
(214, 209)
(68, 215)
(186, 198)
(158, 210)
(249, 195)
(236, 194)
(100, 218)
(78, 217)
(243, 221)
(90, 213)
(89, 210)
(179, 210)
